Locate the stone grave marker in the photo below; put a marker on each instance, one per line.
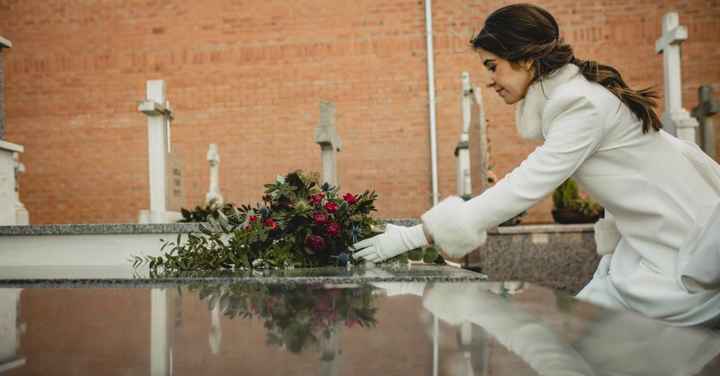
(703, 112)
(213, 157)
(165, 168)
(326, 136)
(675, 119)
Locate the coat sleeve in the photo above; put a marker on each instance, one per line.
(573, 129)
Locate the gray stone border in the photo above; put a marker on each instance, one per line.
(182, 228)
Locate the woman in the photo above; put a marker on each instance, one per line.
(658, 192)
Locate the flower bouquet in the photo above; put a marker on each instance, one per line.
(299, 223)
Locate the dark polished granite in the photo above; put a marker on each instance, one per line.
(326, 326)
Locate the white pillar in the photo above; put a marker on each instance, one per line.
(326, 136)
(675, 119)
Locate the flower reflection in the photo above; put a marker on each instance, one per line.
(296, 317)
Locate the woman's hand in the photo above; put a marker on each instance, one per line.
(394, 241)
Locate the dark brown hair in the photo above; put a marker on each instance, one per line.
(525, 32)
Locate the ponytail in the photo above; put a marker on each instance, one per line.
(641, 102)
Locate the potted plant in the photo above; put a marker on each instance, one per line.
(572, 206)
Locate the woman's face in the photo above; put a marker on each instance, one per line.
(510, 81)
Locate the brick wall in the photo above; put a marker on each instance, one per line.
(250, 76)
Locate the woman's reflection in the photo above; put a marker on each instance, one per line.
(613, 343)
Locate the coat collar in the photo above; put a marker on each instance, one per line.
(528, 113)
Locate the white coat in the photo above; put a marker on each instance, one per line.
(660, 190)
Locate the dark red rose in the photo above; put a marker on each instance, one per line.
(271, 224)
(331, 207)
(315, 242)
(252, 218)
(333, 229)
(316, 199)
(350, 198)
(320, 218)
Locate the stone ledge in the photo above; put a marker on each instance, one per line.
(98, 229)
(133, 228)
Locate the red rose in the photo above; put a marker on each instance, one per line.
(350, 198)
(316, 199)
(315, 242)
(270, 223)
(252, 218)
(320, 218)
(331, 207)
(333, 229)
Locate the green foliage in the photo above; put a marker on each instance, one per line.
(296, 316)
(567, 196)
(298, 223)
(203, 214)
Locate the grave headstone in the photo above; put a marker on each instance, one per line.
(213, 157)
(326, 136)
(165, 168)
(675, 119)
(703, 112)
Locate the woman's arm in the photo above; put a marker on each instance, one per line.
(573, 130)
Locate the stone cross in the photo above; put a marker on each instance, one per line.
(213, 157)
(675, 119)
(326, 136)
(4, 43)
(703, 112)
(159, 114)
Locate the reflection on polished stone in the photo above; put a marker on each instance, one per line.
(353, 326)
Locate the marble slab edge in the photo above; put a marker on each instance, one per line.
(425, 273)
(182, 228)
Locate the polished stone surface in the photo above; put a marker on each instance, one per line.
(350, 326)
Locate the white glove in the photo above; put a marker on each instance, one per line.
(394, 241)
